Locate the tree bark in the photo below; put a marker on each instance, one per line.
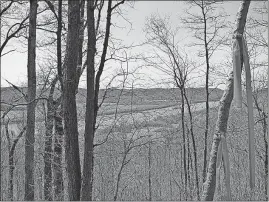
(103, 57)
(189, 166)
(72, 155)
(81, 40)
(0, 110)
(207, 93)
(93, 85)
(48, 154)
(11, 163)
(48, 194)
(86, 192)
(266, 158)
(184, 139)
(57, 159)
(194, 146)
(59, 45)
(58, 125)
(30, 131)
(262, 117)
(267, 135)
(223, 114)
(149, 172)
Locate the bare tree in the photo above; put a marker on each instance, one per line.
(93, 86)
(177, 64)
(131, 140)
(223, 113)
(159, 35)
(207, 26)
(54, 112)
(31, 95)
(48, 194)
(13, 31)
(69, 103)
(57, 159)
(11, 151)
(260, 104)
(89, 117)
(191, 130)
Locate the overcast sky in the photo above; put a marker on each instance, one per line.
(14, 65)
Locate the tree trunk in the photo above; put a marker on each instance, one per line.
(12, 165)
(223, 114)
(262, 116)
(194, 146)
(58, 125)
(184, 140)
(59, 45)
(69, 103)
(266, 160)
(31, 95)
(0, 110)
(149, 172)
(86, 192)
(48, 194)
(123, 163)
(57, 160)
(266, 136)
(188, 164)
(11, 174)
(207, 95)
(81, 40)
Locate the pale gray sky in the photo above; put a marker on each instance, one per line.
(14, 65)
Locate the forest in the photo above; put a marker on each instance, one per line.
(134, 100)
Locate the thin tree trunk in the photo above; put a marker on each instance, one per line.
(72, 155)
(11, 173)
(170, 171)
(123, 163)
(266, 136)
(184, 140)
(0, 110)
(207, 94)
(59, 44)
(93, 85)
(86, 192)
(181, 173)
(81, 40)
(57, 159)
(10, 191)
(149, 172)
(188, 164)
(194, 146)
(103, 57)
(223, 114)
(30, 132)
(262, 116)
(58, 125)
(12, 165)
(48, 194)
(266, 161)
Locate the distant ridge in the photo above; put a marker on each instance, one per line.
(136, 96)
